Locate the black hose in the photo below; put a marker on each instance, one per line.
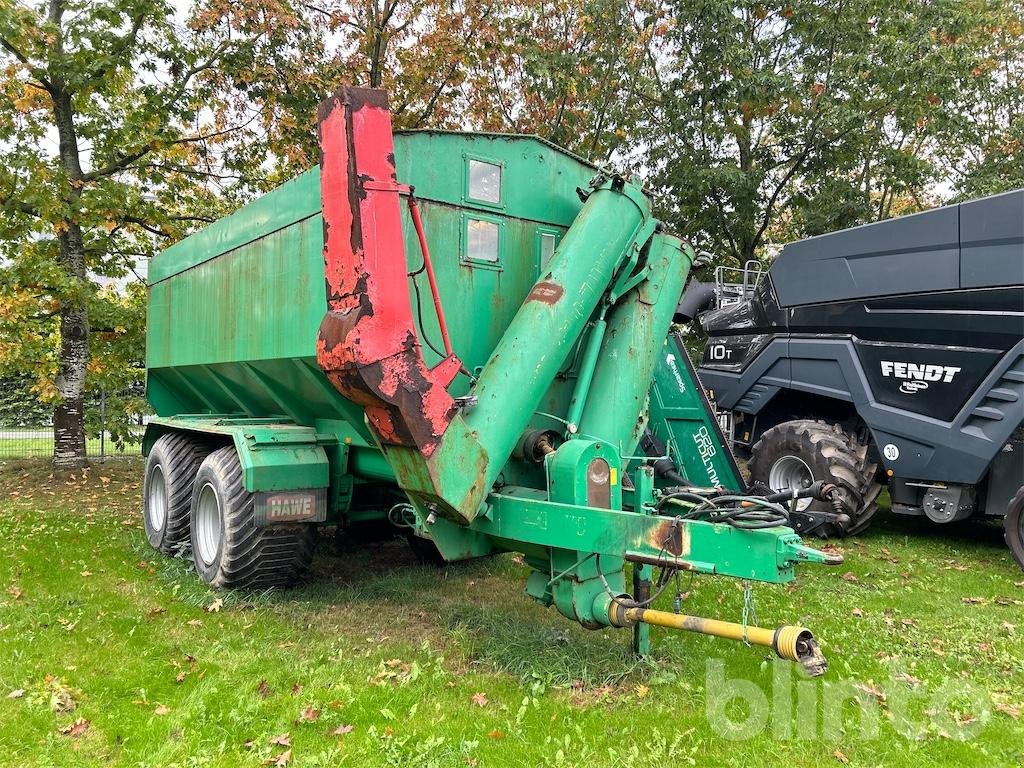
(663, 466)
(698, 297)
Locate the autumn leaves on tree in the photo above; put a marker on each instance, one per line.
(126, 124)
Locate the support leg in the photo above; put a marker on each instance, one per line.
(641, 593)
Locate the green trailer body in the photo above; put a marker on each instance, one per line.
(558, 289)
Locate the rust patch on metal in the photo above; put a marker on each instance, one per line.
(546, 293)
(670, 536)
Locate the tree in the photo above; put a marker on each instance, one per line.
(129, 100)
(779, 119)
(984, 146)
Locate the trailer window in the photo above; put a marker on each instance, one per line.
(547, 247)
(485, 181)
(482, 240)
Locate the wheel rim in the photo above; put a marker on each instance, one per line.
(788, 473)
(156, 501)
(208, 524)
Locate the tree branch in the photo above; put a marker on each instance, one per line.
(19, 205)
(37, 73)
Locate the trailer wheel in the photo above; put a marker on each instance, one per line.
(1013, 527)
(228, 549)
(167, 483)
(797, 453)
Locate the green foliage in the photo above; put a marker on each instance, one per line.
(20, 406)
(786, 119)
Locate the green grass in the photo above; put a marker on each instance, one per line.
(91, 619)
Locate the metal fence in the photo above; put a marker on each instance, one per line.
(21, 440)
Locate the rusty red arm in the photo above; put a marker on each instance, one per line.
(367, 343)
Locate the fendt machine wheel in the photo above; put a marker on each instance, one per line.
(229, 550)
(1013, 527)
(796, 454)
(167, 489)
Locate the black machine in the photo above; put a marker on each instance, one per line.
(891, 352)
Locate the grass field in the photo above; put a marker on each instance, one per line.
(110, 655)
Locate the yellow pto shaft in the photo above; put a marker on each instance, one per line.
(789, 642)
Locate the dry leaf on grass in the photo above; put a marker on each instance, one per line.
(281, 760)
(283, 740)
(480, 699)
(309, 715)
(341, 730)
(75, 729)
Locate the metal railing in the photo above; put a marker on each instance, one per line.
(26, 440)
(733, 285)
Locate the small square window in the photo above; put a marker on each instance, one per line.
(547, 248)
(485, 181)
(482, 240)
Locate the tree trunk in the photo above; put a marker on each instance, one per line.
(69, 414)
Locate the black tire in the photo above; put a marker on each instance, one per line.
(832, 455)
(228, 550)
(167, 483)
(1013, 527)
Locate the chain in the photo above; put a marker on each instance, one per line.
(749, 610)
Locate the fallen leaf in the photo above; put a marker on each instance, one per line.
(857, 612)
(215, 606)
(1018, 583)
(195, 623)
(908, 622)
(296, 689)
(1012, 710)
(496, 734)
(973, 600)
(1008, 626)
(284, 740)
(872, 689)
(641, 690)
(848, 576)
(161, 710)
(480, 699)
(281, 760)
(309, 715)
(15, 592)
(77, 728)
(86, 573)
(909, 679)
(180, 677)
(341, 730)
(17, 693)
(840, 757)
